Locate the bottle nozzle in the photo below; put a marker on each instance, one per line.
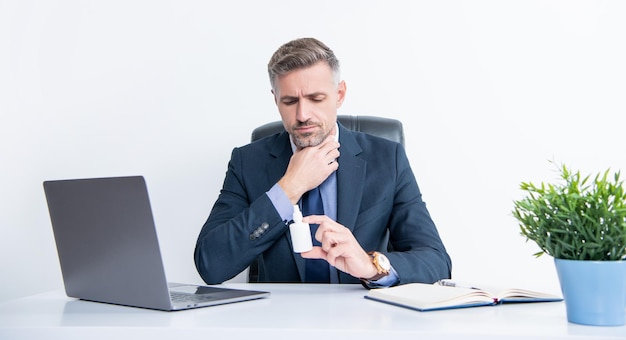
(297, 214)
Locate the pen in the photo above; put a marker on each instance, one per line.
(449, 283)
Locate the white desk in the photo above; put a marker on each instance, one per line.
(292, 312)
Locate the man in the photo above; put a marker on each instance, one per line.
(372, 226)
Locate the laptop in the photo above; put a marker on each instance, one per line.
(109, 252)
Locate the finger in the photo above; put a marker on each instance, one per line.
(316, 219)
(331, 239)
(334, 156)
(334, 254)
(337, 232)
(329, 145)
(331, 150)
(315, 253)
(319, 220)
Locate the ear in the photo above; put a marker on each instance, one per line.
(341, 93)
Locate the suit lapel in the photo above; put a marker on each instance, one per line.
(350, 179)
(281, 152)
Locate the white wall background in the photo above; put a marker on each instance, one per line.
(489, 91)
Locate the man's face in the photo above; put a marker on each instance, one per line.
(308, 100)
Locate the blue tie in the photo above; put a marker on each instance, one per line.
(317, 270)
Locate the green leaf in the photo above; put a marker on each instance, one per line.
(578, 217)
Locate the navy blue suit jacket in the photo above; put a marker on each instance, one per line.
(378, 199)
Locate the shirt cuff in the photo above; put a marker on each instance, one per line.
(281, 202)
(387, 281)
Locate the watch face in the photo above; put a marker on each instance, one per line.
(383, 261)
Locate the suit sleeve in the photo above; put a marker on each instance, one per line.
(241, 225)
(418, 253)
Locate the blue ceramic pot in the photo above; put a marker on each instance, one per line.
(594, 291)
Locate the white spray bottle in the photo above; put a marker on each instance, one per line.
(300, 232)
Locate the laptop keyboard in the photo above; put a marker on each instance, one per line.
(188, 297)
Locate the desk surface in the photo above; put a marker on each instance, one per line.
(293, 310)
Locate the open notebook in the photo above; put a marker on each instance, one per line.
(446, 295)
(108, 247)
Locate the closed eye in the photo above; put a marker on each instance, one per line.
(317, 98)
(289, 100)
(314, 97)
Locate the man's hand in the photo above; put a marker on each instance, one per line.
(339, 248)
(309, 167)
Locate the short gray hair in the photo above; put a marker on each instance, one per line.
(298, 54)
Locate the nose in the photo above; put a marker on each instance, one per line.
(303, 111)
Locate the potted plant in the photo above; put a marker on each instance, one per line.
(581, 222)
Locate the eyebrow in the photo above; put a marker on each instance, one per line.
(309, 95)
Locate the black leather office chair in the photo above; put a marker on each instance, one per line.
(388, 128)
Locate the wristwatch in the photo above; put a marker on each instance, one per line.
(382, 264)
